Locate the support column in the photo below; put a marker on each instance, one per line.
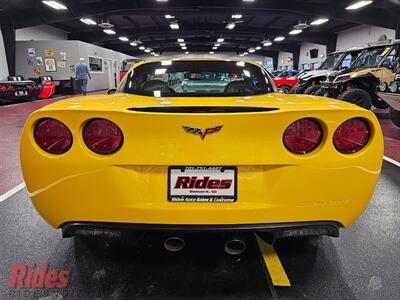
(8, 32)
(296, 57)
(397, 32)
(332, 43)
(275, 57)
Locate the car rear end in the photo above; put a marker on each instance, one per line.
(280, 163)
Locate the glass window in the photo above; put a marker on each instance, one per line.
(331, 61)
(371, 58)
(95, 64)
(197, 79)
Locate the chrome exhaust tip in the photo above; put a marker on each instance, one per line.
(174, 244)
(235, 246)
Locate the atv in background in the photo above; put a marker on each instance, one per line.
(309, 82)
(392, 97)
(373, 68)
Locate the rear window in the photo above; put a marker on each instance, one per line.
(197, 79)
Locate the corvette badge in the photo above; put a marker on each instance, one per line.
(202, 133)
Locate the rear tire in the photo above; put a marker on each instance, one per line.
(311, 90)
(394, 116)
(357, 96)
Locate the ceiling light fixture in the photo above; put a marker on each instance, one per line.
(211, 52)
(169, 17)
(162, 0)
(187, 52)
(134, 44)
(237, 16)
(142, 48)
(123, 38)
(109, 31)
(180, 40)
(174, 25)
(319, 21)
(220, 40)
(88, 21)
(251, 50)
(241, 54)
(56, 5)
(230, 25)
(248, 0)
(214, 48)
(295, 31)
(217, 45)
(358, 5)
(182, 44)
(184, 48)
(258, 48)
(267, 43)
(147, 50)
(279, 38)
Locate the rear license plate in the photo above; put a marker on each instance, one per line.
(202, 184)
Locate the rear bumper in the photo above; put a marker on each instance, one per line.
(278, 230)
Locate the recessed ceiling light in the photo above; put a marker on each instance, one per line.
(166, 62)
(56, 5)
(245, 53)
(258, 48)
(88, 21)
(147, 50)
(358, 5)
(153, 53)
(220, 40)
(184, 48)
(187, 52)
(217, 45)
(236, 16)
(319, 21)
(248, 0)
(134, 44)
(211, 52)
(214, 48)
(162, 0)
(295, 31)
(169, 17)
(180, 40)
(174, 25)
(156, 54)
(241, 54)
(279, 38)
(267, 43)
(182, 44)
(109, 31)
(123, 38)
(251, 50)
(230, 25)
(142, 47)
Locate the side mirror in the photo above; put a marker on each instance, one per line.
(111, 91)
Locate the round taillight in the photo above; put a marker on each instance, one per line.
(102, 136)
(351, 136)
(52, 136)
(3, 88)
(11, 88)
(303, 136)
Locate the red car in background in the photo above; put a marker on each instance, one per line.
(285, 84)
(126, 66)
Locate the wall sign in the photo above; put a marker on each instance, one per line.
(50, 65)
(31, 52)
(48, 52)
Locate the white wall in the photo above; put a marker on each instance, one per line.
(305, 54)
(40, 33)
(283, 60)
(361, 35)
(255, 58)
(3, 59)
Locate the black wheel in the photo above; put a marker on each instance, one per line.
(320, 92)
(357, 96)
(285, 89)
(378, 103)
(311, 90)
(395, 116)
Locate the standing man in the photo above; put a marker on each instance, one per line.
(83, 74)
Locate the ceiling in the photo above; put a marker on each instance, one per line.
(202, 22)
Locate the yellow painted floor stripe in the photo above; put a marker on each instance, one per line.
(273, 263)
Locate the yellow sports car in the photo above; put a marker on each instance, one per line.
(200, 145)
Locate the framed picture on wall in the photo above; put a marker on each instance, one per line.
(96, 64)
(50, 65)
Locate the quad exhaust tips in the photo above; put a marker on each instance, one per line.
(174, 243)
(235, 246)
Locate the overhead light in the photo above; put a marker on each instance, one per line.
(187, 52)
(214, 48)
(245, 53)
(230, 25)
(88, 21)
(174, 25)
(156, 54)
(220, 40)
(236, 16)
(134, 44)
(248, 0)
(56, 5)
(182, 44)
(180, 40)
(142, 48)
(166, 62)
(162, 0)
(153, 53)
(169, 17)
(241, 54)
(295, 31)
(123, 38)
(251, 50)
(358, 5)
(184, 48)
(147, 50)
(160, 71)
(109, 31)
(267, 43)
(319, 21)
(211, 52)
(279, 38)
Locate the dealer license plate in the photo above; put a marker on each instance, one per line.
(202, 184)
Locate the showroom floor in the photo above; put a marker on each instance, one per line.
(362, 264)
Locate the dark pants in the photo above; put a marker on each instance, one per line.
(83, 83)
